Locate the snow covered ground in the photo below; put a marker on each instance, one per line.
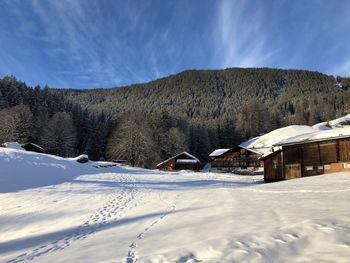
(57, 210)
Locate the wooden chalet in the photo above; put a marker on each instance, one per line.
(307, 158)
(181, 161)
(238, 157)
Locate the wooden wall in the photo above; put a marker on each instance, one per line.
(344, 150)
(310, 159)
(236, 158)
(188, 166)
(172, 165)
(168, 166)
(273, 168)
(228, 159)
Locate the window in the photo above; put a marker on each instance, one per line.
(320, 167)
(346, 165)
(292, 167)
(309, 168)
(274, 164)
(327, 166)
(242, 150)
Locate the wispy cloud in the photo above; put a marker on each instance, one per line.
(83, 40)
(240, 37)
(78, 43)
(75, 40)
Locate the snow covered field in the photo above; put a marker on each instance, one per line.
(57, 210)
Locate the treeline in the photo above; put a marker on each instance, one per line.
(63, 128)
(47, 118)
(196, 111)
(224, 107)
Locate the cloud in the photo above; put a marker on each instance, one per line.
(77, 43)
(73, 39)
(240, 36)
(80, 42)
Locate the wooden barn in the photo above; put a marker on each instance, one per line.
(181, 161)
(307, 158)
(234, 158)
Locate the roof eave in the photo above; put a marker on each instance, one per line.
(311, 141)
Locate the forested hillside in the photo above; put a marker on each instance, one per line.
(196, 110)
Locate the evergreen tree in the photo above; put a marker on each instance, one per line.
(59, 135)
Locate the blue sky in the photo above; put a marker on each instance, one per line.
(100, 43)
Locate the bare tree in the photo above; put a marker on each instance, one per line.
(16, 124)
(134, 141)
(173, 141)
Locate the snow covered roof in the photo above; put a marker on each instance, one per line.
(272, 138)
(272, 152)
(261, 150)
(186, 161)
(321, 135)
(293, 134)
(337, 123)
(185, 153)
(218, 152)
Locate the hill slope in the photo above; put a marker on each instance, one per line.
(213, 93)
(232, 104)
(213, 108)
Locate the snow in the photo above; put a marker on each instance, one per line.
(269, 142)
(21, 169)
(272, 138)
(13, 145)
(218, 152)
(265, 144)
(79, 157)
(54, 209)
(337, 123)
(186, 161)
(318, 135)
(298, 133)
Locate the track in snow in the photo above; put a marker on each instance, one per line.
(132, 255)
(111, 211)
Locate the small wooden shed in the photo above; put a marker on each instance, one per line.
(237, 157)
(32, 147)
(181, 161)
(304, 158)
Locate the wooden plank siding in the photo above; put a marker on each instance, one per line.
(344, 150)
(273, 167)
(173, 164)
(308, 159)
(236, 158)
(168, 166)
(329, 152)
